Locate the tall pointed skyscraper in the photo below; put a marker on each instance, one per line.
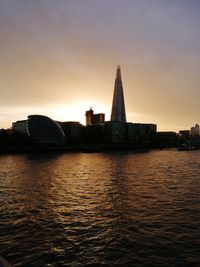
(118, 106)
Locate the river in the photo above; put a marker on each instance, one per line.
(101, 209)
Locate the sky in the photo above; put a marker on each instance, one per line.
(59, 58)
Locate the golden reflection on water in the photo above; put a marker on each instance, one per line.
(100, 203)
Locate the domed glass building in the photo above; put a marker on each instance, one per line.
(44, 130)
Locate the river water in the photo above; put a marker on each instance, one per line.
(101, 209)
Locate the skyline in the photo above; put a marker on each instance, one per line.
(58, 59)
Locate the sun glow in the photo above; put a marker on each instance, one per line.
(76, 111)
(69, 112)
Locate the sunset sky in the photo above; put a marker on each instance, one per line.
(59, 58)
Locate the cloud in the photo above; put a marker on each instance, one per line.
(55, 52)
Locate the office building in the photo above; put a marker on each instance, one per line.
(118, 106)
(40, 129)
(195, 131)
(166, 139)
(98, 118)
(141, 133)
(73, 131)
(184, 135)
(115, 132)
(44, 130)
(94, 119)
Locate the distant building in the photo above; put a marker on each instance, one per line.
(118, 113)
(184, 135)
(166, 139)
(89, 116)
(92, 118)
(195, 131)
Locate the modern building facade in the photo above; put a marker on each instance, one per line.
(118, 106)
(115, 132)
(41, 129)
(45, 130)
(140, 132)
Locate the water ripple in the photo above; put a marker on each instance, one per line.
(107, 209)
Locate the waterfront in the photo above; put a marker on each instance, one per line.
(101, 209)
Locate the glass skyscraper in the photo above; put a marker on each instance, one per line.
(118, 106)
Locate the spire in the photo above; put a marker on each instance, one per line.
(118, 74)
(118, 106)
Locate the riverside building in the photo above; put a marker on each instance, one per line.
(118, 105)
(41, 129)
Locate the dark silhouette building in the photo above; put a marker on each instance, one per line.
(89, 116)
(92, 118)
(73, 131)
(184, 135)
(118, 106)
(166, 139)
(45, 130)
(41, 129)
(195, 131)
(116, 133)
(20, 126)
